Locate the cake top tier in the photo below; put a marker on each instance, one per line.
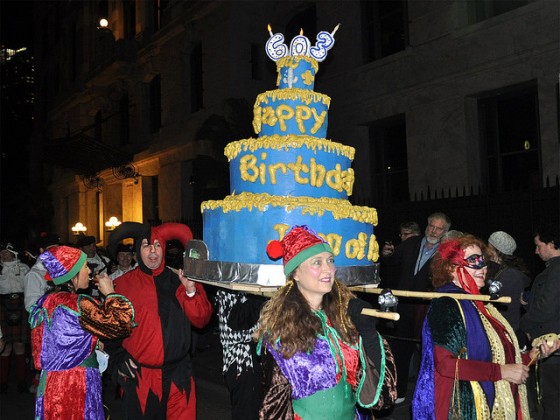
(298, 65)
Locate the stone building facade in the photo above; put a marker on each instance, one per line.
(134, 117)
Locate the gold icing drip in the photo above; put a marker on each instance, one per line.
(277, 142)
(340, 209)
(292, 94)
(293, 62)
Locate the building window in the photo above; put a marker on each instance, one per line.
(479, 10)
(388, 145)
(196, 79)
(385, 28)
(159, 14)
(155, 104)
(510, 130)
(129, 8)
(124, 120)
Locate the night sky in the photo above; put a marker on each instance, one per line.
(16, 18)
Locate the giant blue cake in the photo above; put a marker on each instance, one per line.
(289, 175)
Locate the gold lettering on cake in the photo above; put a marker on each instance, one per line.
(373, 249)
(248, 163)
(335, 242)
(319, 120)
(284, 112)
(262, 169)
(347, 178)
(303, 113)
(282, 229)
(272, 171)
(297, 168)
(316, 173)
(337, 179)
(269, 116)
(356, 248)
(333, 178)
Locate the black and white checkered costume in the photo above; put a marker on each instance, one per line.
(236, 344)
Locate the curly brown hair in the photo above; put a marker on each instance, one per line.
(288, 317)
(442, 268)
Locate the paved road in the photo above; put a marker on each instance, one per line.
(212, 395)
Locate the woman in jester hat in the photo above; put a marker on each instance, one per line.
(314, 361)
(471, 365)
(66, 328)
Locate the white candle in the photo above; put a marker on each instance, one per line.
(275, 47)
(299, 45)
(325, 41)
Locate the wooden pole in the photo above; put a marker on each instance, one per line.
(393, 316)
(268, 291)
(368, 288)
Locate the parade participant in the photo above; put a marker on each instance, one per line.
(312, 351)
(238, 314)
(511, 272)
(412, 257)
(125, 263)
(65, 331)
(153, 365)
(471, 364)
(13, 318)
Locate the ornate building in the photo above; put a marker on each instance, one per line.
(134, 116)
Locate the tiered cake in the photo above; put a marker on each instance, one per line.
(289, 175)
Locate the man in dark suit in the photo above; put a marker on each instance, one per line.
(543, 317)
(412, 257)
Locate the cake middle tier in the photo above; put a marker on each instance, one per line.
(238, 228)
(291, 111)
(291, 166)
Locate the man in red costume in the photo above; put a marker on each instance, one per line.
(153, 365)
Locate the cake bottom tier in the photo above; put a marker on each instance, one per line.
(238, 228)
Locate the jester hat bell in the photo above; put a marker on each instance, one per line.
(299, 244)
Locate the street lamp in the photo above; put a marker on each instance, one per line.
(112, 223)
(79, 228)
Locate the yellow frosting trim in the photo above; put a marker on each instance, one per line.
(293, 61)
(292, 94)
(277, 142)
(340, 209)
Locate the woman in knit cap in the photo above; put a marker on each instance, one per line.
(313, 358)
(471, 365)
(66, 328)
(512, 273)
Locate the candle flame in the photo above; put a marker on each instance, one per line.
(270, 29)
(301, 31)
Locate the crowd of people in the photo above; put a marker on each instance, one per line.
(308, 351)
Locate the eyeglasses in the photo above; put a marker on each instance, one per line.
(475, 261)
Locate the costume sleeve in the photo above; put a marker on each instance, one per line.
(114, 318)
(277, 402)
(366, 328)
(197, 308)
(245, 312)
(469, 370)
